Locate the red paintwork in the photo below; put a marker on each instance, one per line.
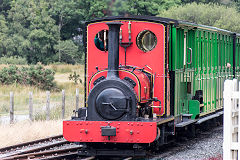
(142, 132)
(137, 76)
(145, 85)
(155, 59)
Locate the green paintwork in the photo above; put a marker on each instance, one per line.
(194, 108)
(212, 49)
(237, 57)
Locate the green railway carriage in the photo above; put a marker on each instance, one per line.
(201, 58)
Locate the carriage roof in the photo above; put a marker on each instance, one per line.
(177, 23)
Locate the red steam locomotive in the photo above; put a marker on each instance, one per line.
(130, 87)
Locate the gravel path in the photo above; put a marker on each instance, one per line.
(206, 146)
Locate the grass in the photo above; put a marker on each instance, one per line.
(66, 68)
(26, 130)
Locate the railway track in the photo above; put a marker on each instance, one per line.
(55, 147)
(58, 148)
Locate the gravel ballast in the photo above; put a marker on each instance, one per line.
(206, 146)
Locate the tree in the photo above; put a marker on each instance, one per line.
(3, 35)
(40, 30)
(142, 7)
(223, 2)
(97, 9)
(69, 17)
(68, 52)
(237, 4)
(66, 13)
(5, 5)
(32, 31)
(201, 1)
(207, 14)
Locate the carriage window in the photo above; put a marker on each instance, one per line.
(146, 40)
(101, 40)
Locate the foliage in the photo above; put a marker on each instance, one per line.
(222, 2)
(202, 1)
(50, 31)
(3, 35)
(13, 60)
(33, 76)
(32, 28)
(33, 31)
(68, 16)
(75, 77)
(67, 52)
(142, 7)
(5, 5)
(207, 14)
(97, 8)
(237, 4)
(43, 31)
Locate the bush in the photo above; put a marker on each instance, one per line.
(13, 60)
(75, 78)
(207, 14)
(33, 76)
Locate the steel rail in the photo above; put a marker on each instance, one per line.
(50, 154)
(4, 149)
(37, 148)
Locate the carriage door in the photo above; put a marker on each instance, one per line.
(185, 107)
(188, 69)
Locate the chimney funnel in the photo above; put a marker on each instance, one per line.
(113, 49)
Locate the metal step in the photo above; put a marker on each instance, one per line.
(186, 117)
(185, 123)
(209, 117)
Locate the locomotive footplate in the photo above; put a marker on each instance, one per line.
(110, 131)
